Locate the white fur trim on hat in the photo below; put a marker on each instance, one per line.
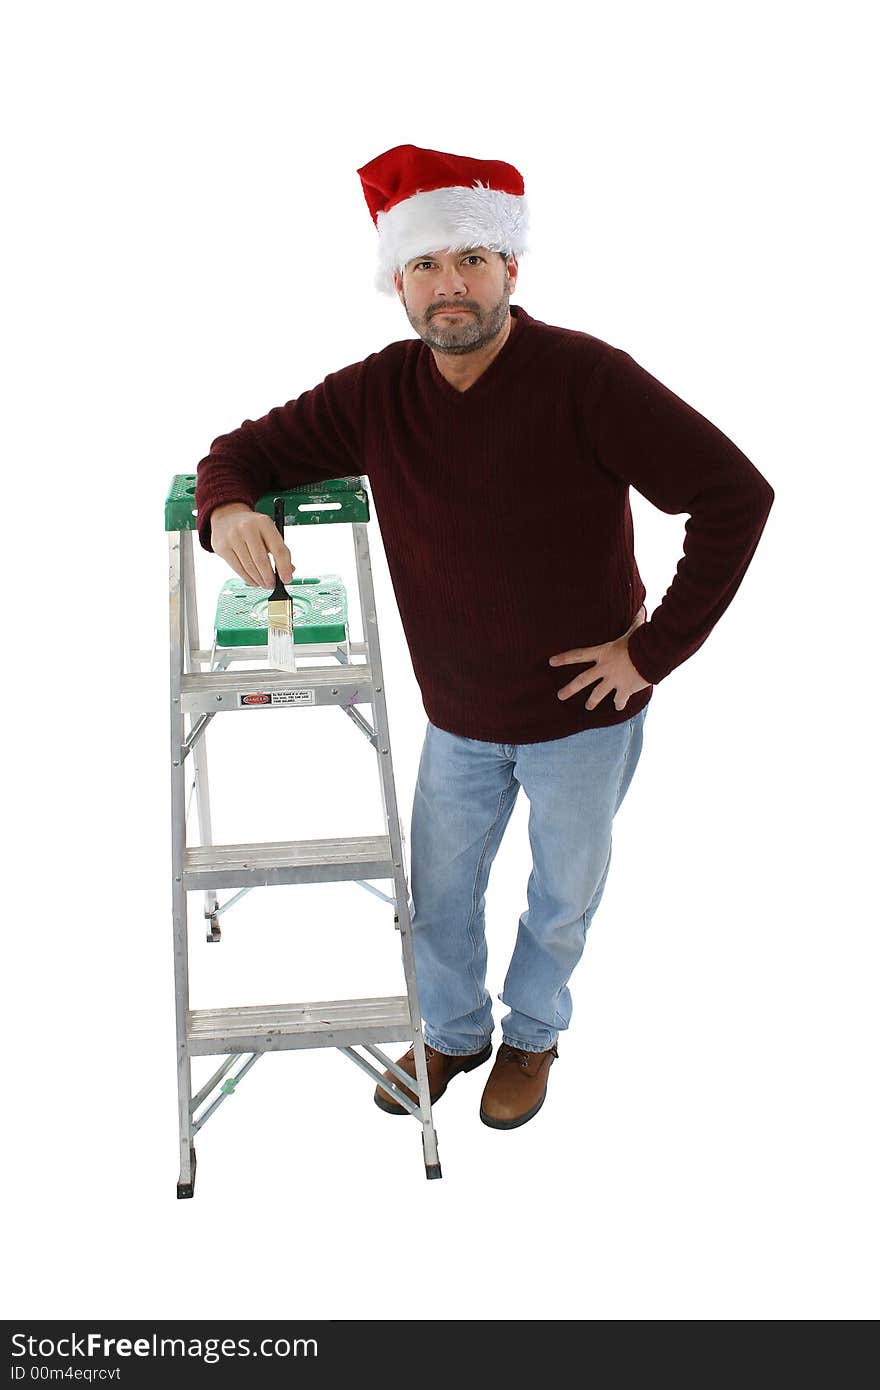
(454, 219)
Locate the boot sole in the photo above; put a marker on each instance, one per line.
(392, 1108)
(512, 1124)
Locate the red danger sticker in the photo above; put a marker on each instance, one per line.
(256, 698)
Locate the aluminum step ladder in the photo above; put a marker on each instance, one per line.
(203, 686)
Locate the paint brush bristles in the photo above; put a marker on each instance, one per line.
(280, 629)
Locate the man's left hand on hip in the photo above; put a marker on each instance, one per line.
(611, 669)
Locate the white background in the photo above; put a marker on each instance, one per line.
(187, 245)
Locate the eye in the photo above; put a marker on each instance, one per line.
(473, 257)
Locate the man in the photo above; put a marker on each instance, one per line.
(500, 451)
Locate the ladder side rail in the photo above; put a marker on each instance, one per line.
(177, 625)
(369, 620)
(199, 752)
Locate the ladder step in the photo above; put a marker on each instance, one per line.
(212, 692)
(279, 1027)
(288, 861)
(205, 654)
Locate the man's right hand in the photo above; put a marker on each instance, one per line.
(245, 539)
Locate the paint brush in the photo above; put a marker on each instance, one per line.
(280, 629)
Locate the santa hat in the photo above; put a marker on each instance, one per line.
(424, 200)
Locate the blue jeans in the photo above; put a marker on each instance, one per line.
(465, 792)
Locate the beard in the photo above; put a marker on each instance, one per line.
(472, 331)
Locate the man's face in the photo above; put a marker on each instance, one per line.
(475, 283)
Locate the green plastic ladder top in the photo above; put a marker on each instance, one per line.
(320, 611)
(333, 500)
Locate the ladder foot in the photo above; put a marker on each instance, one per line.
(185, 1189)
(432, 1170)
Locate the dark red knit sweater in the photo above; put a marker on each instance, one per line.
(504, 512)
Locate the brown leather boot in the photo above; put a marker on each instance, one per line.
(517, 1086)
(441, 1069)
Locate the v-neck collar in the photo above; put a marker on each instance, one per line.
(497, 368)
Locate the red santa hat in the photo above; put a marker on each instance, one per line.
(425, 200)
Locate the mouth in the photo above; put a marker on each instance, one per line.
(449, 313)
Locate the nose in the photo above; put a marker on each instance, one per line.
(451, 283)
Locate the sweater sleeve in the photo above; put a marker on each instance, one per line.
(682, 463)
(316, 436)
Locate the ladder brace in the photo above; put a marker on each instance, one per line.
(194, 735)
(226, 1090)
(392, 1090)
(362, 723)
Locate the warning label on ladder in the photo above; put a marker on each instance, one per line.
(258, 698)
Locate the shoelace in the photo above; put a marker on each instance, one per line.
(506, 1053)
